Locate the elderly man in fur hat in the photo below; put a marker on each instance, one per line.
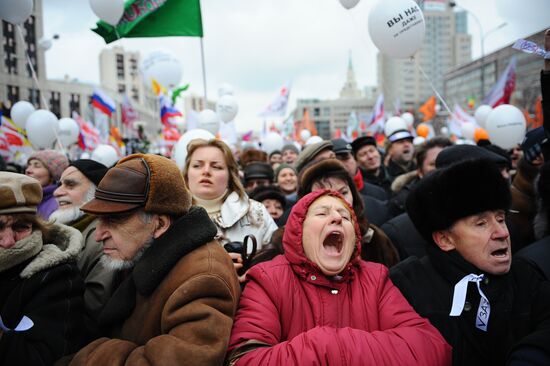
(178, 291)
(492, 310)
(77, 187)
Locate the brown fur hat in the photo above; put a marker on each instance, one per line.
(251, 155)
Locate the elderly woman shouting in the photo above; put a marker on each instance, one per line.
(334, 308)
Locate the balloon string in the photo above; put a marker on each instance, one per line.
(35, 78)
(431, 84)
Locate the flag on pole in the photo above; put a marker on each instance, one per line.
(88, 139)
(277, 108)
(129, 114)
(428, 109)
(308, 123)
(503, 89)
(462, 116)
(155, 18)
(376, 123)
(352, 128)
(103, 102)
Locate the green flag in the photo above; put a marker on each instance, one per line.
(155, 18)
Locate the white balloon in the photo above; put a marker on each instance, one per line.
(163, 67)
(272, 141)
(444, 131)
(227, 108)
(481, 114)
(225, 89)
(348, 4)
(305, 134)
(209, 121)
(394, 124)
(468, 130)
(397, 27)
(418, 140)
(110, 11)
(179, 154)
(313, 140)
(408, 118)
(105, 154)
(42, 128)
(45, 43)
(15, 11)
(68, 131)
(20, 112)
(506, 126)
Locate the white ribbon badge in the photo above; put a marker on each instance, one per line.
(459, 299)
(25, 324)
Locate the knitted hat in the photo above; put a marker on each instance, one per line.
(532, 143)
(341, 146)
(457, 153)
(281, 167)
(91, 169)
(261, 193)
(19, 193)
(141, 180)
(446, 195)
(359, 142)
(309, 153)
(53, 160)
(290, 147)
(258, 170)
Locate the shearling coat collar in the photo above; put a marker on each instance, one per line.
(185, 235)
(66, 247)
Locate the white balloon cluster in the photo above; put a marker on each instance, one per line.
(110, 11)
(163, 67)
(506, 126)
(348, 4)
(179, 153)
(105, 154)
(42, 127)
(15, 11)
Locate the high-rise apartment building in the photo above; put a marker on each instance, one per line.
(446, 45)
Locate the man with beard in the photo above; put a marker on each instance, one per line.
(77, 186)
(177, 291)
(400, 153)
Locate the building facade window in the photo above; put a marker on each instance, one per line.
(55, 103)
(9, 43)
(121, 88)
(34, 97)
(13, 94)
(135, 94)
(74, 104)
(30, 44)
(120, 66)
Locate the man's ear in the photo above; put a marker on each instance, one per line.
(443, 240)
(162, 225)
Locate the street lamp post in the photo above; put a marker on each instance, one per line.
(483, 35)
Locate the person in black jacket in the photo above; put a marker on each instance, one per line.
(491, 310)
(41, 290)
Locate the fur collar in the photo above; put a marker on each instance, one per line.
(67, 246)
(402, 180)
(185, 235)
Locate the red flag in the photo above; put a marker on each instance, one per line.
(503, 89)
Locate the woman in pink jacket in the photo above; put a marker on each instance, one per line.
(320, 304)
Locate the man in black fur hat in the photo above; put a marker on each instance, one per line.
(491, 310)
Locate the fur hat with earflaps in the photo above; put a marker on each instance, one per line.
(444, 196)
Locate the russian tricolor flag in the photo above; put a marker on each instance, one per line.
(168, 111)
(103, 102)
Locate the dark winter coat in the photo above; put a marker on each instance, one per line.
(175, 307)
(292, 314)
(401, 187)
(404, 236)
(394, 170)
(382, 179)
(47, 289)
(520, 306)
(538, 254)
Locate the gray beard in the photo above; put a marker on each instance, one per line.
(73, 213)
(121, 264)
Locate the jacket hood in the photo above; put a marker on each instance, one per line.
(402, 180)
(292, 239)
(65, 248)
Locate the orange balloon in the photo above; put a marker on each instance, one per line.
(422, 130)
(480, 134)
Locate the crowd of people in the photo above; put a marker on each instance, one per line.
(337, 253)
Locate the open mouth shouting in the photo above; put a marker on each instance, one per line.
(334, 243)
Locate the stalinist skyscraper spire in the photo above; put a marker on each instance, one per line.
(350, 90)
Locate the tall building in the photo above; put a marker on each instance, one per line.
(446, 45)
(464, 81)
(332, 114)
(61, 97)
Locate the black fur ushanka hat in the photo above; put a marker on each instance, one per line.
(460, 190)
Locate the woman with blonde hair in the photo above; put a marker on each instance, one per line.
(211, 174)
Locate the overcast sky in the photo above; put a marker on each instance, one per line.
(257, 46)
